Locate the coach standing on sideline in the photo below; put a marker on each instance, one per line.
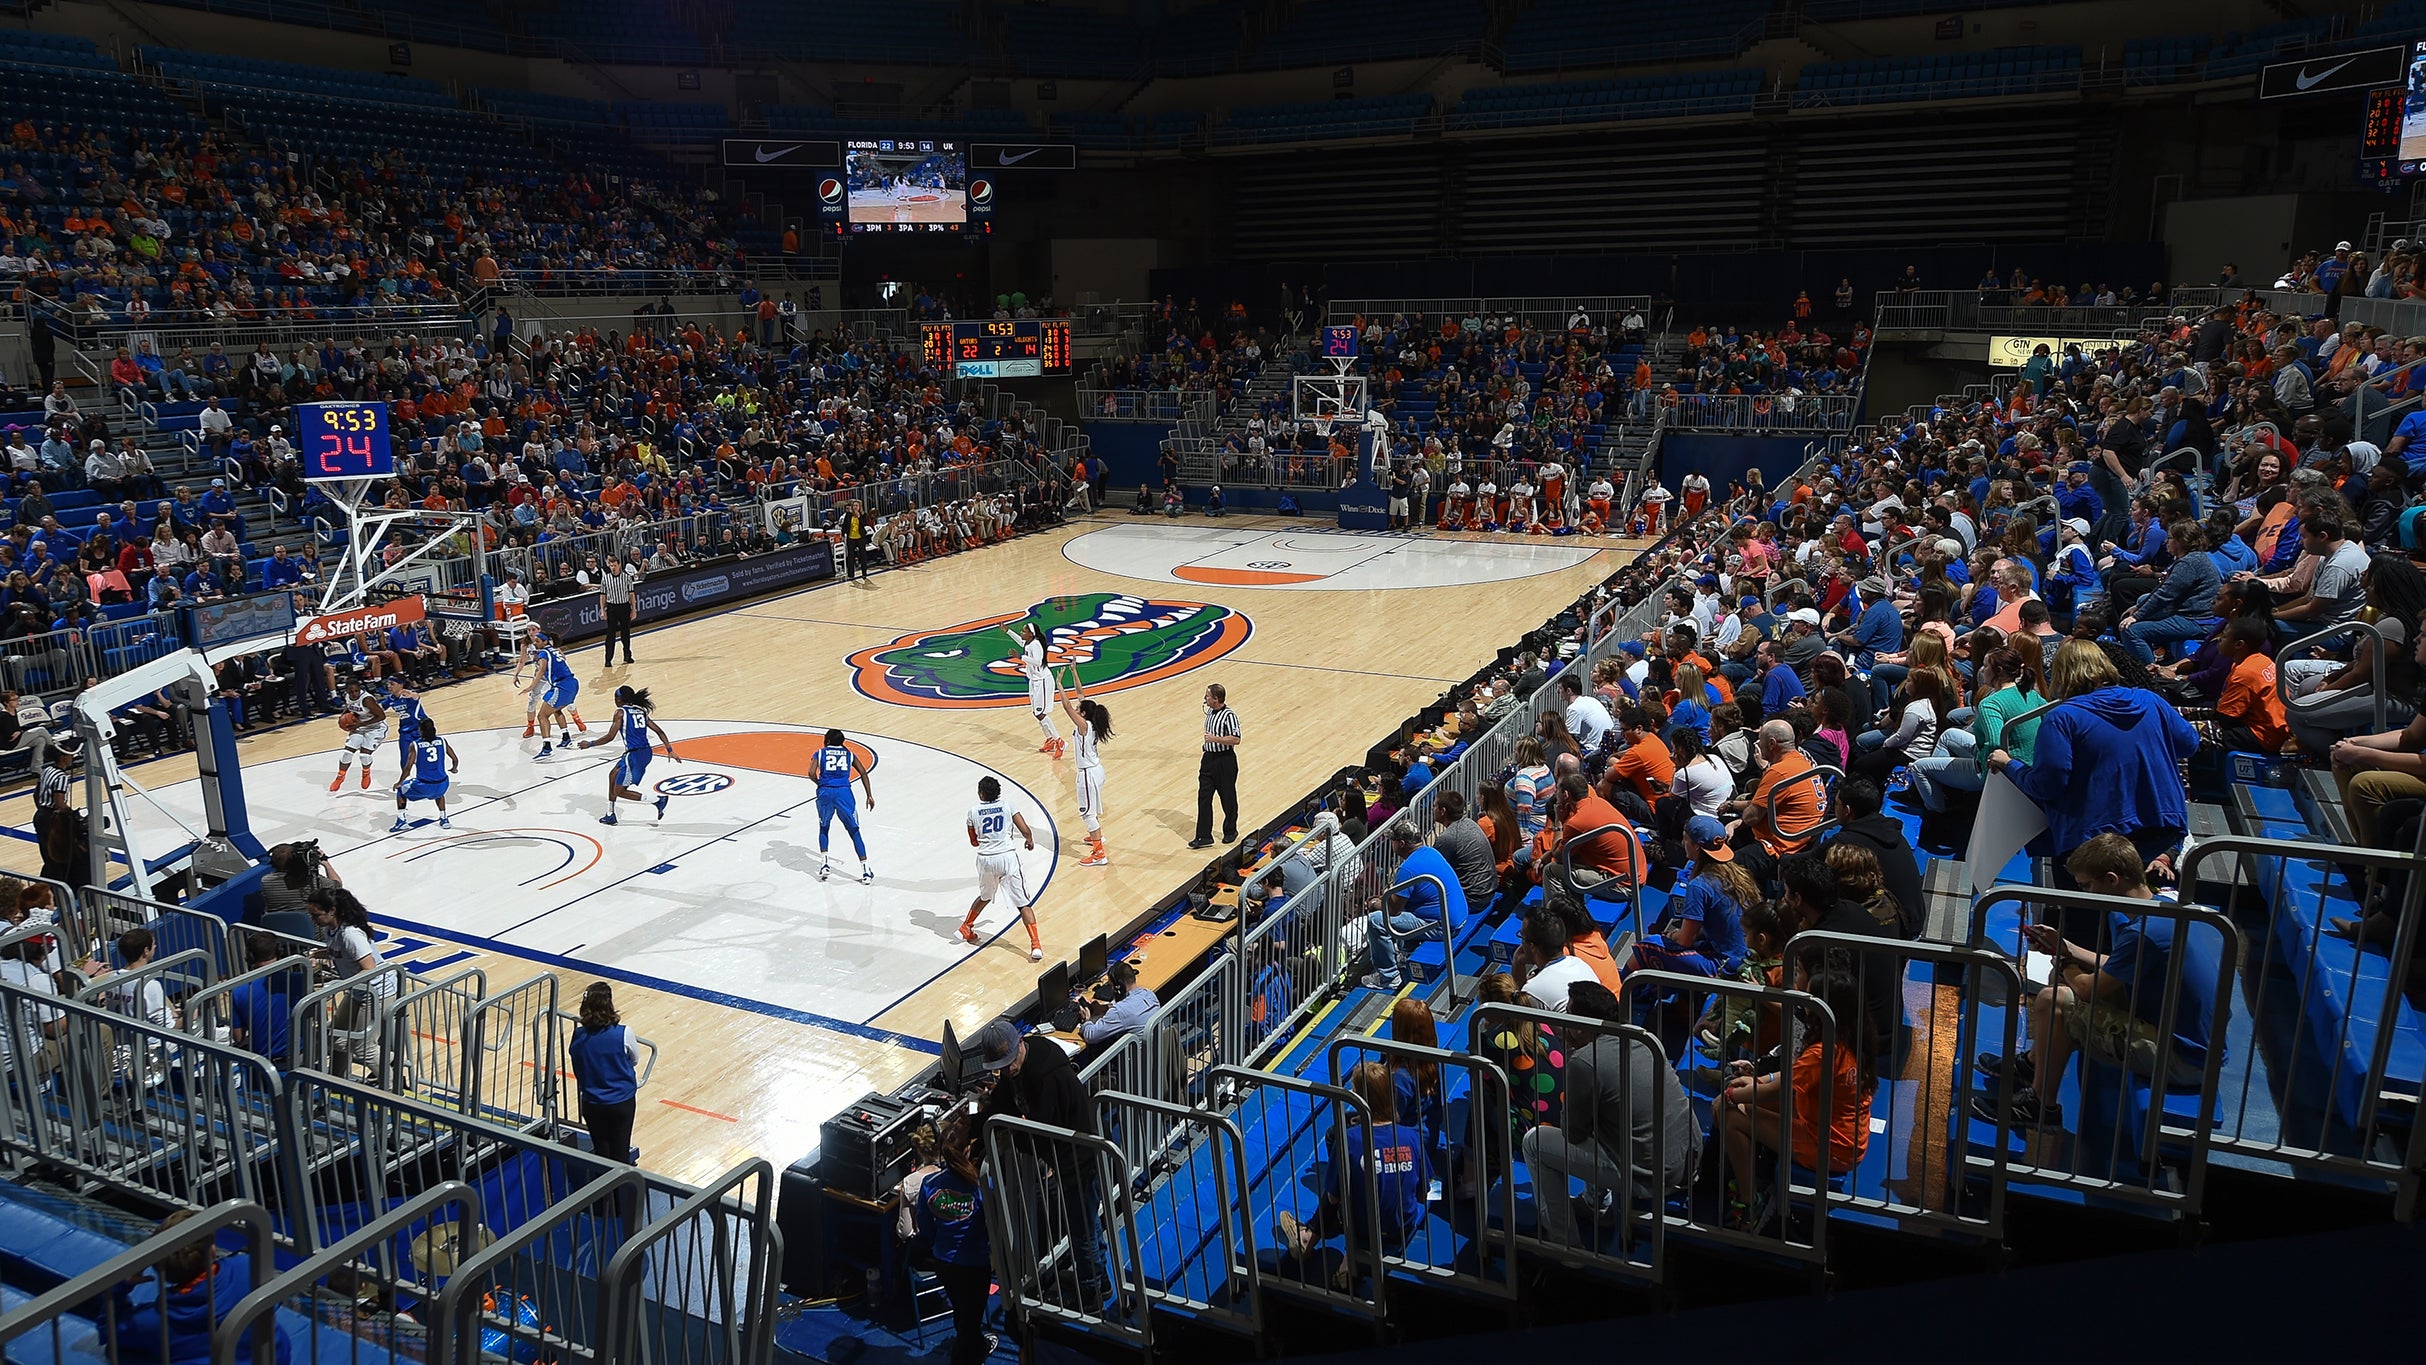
(615, 589)
(1217, 771)
(854, 542)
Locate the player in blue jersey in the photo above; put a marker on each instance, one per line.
(836, 765)
(633, 725)
(555, 685)
(404, 704)
(425, 774)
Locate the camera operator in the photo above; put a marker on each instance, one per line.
(296, 871)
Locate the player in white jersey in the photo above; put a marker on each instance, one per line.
(1040, 689)
(998, 871)
(1090, 726)
(364, 721)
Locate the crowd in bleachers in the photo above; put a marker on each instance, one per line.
(119, 205)
(2036, 588)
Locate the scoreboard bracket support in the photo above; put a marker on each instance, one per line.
(366, 530)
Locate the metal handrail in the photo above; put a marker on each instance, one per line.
(1448, 931)
(79, 1292)
(1633, 874)
(2374, 632)
(259, 1308)
(1820, 775)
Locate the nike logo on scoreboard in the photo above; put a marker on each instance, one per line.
(1025, 156)
(2376, 66)
(781, 156)
(2307, 82)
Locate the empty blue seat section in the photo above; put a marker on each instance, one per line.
(1679, 95)
(1949, 75)
(1327, 32)
(1555, 35)
(1378, 116)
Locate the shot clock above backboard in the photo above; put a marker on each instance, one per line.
(344, 441)
(1339, 342)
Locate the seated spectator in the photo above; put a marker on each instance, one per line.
(1626, 1126)
(1862, 823)
(1703, 932)
(1390, 1154)
(1431, 895)
(193, 1291)
(2111, 1005)
(2250, 711)
(1779, 817)
(2181, 607)
(1832, 1088)
(1879, 752)
(2008, 686)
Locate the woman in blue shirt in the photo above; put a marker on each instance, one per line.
(1393, 1153)
(950, 1219)
(606, 1065)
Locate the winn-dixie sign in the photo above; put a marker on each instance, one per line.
(403, 611)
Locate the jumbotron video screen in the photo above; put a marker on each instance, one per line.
(907, 184)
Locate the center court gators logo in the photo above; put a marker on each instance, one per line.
(1114, 640)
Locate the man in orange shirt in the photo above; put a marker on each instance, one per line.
(1643, 764)
(1760, 841)
(1609, 866)
(2250, 707)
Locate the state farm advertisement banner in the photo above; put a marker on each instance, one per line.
(403, 611)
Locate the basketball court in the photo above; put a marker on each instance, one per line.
(776, 998)
(909, 204)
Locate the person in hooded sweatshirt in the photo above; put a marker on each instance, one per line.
(196, 1289)
(2107, 760)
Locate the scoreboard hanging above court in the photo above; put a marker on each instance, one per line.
(1013, 348)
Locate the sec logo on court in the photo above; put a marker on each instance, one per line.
(1115, 641)
(692, 784)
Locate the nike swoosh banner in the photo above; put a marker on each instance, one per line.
(2336, 72)
(782, 153)
(1023, 156)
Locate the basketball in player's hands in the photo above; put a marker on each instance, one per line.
(347, 720)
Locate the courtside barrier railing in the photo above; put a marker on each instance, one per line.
(2352, 1110)
(1783, 1213)
(1196, 1245)
(1064, 1231)
(86, 1091)
(1936, 1179)
(535, 1292)
(53, 1326)
(516, 1036)
(1622, 1228)
(1468, 1245)
(696, 1285)
(1765, 412)
(1304, 1126)
(2141, 1133)
(436, 1224)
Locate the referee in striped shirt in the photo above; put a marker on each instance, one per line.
(1217, 770)
(53, 800)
